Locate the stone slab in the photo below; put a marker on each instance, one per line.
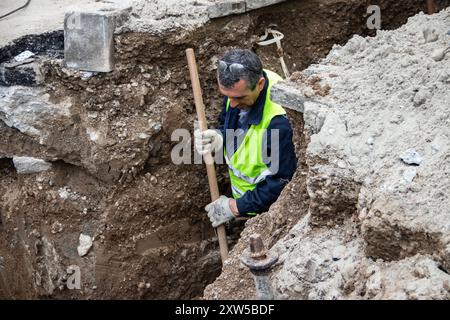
(226, 8)
(256, 4)
(288, 96)
(219, 9)
(27, 165)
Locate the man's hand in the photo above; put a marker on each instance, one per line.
(220, 211)
(207, 141)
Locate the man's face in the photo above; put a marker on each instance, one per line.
(240, 95)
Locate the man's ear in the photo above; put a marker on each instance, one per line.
(261, 83)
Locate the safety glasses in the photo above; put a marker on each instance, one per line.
(235, 68)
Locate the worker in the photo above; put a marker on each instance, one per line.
(247, 125)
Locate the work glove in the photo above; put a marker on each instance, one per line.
(219, 211)
(207, 141)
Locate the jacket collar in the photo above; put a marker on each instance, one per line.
(256, 110)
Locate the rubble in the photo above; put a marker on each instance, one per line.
(375, 224)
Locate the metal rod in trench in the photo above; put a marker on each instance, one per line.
(259, 261)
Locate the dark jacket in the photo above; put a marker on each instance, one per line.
(267, 191)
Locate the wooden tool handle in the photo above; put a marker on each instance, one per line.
(431, 6)
(209, 161)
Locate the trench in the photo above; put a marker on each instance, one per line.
(151, 237)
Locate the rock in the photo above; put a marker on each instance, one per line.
(84, 245)
(28, 165)
(411, 156)
(435, 147)
(439, 54)
(409, 174)
(430, 35)
(156, 127)
(87, 74)
(420, 97)
(314, 115)
(143, 136)
(63, 193)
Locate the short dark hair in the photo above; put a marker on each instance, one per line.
(252, 71)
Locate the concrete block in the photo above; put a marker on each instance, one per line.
(226, 8)
(256, 4)
(27, 165)
(89, 34)
(287, 96)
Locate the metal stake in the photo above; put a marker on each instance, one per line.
(259, 261)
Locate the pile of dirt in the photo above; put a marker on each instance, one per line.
(373, 223)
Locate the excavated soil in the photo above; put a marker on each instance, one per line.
(145, 214)
(324, 253)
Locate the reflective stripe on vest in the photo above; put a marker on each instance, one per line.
(242, 176)
(246, 166)
(235, 190)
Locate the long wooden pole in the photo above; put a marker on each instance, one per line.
(209, 161)
(431, 6)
